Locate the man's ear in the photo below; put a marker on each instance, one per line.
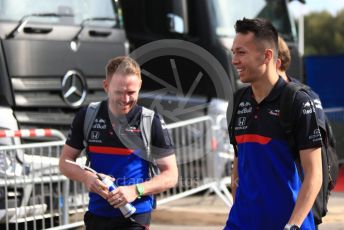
(268, 53)
(106, 85)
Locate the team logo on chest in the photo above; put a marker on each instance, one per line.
(94, 137)
(244, 108)
(132, 129)
(99, 124)
(274, 112)
(241, 123)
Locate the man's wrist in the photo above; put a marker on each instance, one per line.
(291, 227)
(139, 190)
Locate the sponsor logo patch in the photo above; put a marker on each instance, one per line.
(315, 136)
(274, 112)
(244, 107)
(241, 123)
(308, 108)
(99, 124)
(94, 137)
(245, 110)
(132, 129)
(244, 104)
(317, 104)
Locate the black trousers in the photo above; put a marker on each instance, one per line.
(139, 221)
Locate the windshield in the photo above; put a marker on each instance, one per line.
(229, 11)
(14, 10)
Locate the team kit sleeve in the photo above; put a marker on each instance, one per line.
(75, 135)
(161, 143)
(308, 134)
(319, 111)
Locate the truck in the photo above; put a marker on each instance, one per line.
(209, 26)
(52, 62)
(53, 54)
(52, 57)
(206, 24)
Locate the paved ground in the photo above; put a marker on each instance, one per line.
(334, 220)
(210, 213)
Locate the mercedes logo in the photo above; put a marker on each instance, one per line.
(74, 88)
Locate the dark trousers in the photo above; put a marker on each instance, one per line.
(141, 222)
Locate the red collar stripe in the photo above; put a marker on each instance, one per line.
(252, 138)
(110, 150)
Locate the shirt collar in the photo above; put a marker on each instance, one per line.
(276, 90)
(274, 93)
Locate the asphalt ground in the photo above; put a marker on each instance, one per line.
(200, 212)
(210, 213)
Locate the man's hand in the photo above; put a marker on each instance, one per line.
(122, 195)
(93, 184)
(74, 172)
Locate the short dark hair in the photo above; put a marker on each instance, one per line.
(122, 65)
(262, 29)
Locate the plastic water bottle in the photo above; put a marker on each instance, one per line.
(126, 210)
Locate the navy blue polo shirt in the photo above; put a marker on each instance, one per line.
(268, 178)
(119, 152)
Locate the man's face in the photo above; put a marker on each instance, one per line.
(248, 58)
(123, 92)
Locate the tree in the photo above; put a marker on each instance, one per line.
(324, 34)
(339, 32)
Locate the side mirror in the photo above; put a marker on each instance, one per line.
(176, 24)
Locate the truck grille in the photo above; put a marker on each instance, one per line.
(39, 102)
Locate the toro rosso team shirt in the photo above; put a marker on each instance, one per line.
(118, 151)
(268, 176)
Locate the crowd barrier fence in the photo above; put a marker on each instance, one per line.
(35, 195)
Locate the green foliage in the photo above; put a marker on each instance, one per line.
(324, 33)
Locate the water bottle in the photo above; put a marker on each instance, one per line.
(126, 210)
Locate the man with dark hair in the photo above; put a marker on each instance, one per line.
(268, 192)
(117, 121)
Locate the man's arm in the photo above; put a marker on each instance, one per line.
(312, 168)
(74, 172)
(234, 177)
(167, 178)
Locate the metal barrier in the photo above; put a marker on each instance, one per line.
(201, 164)
(39, 197)
(336, 118)
(31, 187)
